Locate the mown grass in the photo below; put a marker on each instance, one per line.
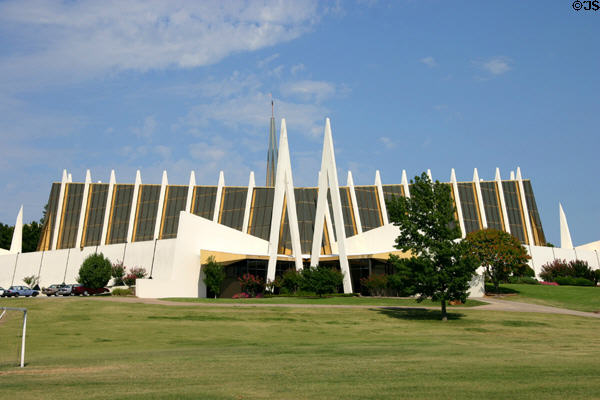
(365, 301)
(99, 349)
(581, 298)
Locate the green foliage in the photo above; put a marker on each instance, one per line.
(95, 271)
(31, 281)
(563, 269)
(528, 280)
(441, 266)
(402, 282)
(570, 281)
(290, 281)
(252, 285)
(500, 253)
(214, 275)
(597, 276)
(123, 292)
(6, 233)
(321, 280)
(31, 236)
(134, 274)
(376, 284)
(117, 272)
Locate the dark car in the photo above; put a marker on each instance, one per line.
(52, 290)
(16, 291)
(80, 290)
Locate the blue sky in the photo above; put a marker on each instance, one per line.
(409, 85)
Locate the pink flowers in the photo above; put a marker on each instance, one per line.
(549, 283)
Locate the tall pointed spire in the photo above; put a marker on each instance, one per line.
(565, 234)
(272, 152)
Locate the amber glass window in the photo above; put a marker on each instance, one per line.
(175, 199)
(203, 202)
(347, 211)
(534, 216)
(119, 216)
(233, 206)
(67, 235)
(94, 219)
(493, 214)
(45, 242)
(145, 217)
(470, 208)
(514, 210)
(259, 224)
(368, 207)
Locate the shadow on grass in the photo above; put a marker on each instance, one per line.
(417, 314)
(490, 290)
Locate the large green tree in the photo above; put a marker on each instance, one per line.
(214, 275)
(31, 236)
(442, 266)
(499, 252)
(95, 271)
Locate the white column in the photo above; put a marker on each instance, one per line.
(525, 208)
(190, 193)
(512, 175)
(111, 188)
(161, 204)
(354, 203)
(479, 198)
(429, 175)
(382, 204)
(405, 184)
(251, 184)
(136, 189)
(565, 234)
(70, 178)
(328, 178)
(220, 185)
(61, 197)
(502, 204)
(16, 244)
(461, 221)
(84, 204)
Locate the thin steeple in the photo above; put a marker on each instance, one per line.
(272, 152)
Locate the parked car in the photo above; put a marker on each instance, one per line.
(1, 291)
(16, 291)
(52, 290)
(65, 290)
(80, 290)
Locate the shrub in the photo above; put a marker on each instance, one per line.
(375, 284)
(570, 281)
(214, 275)
(31, 281)
(597, 276)
(321, 280)
(290, 281)
(523, 279)
(401, 283)
(95, 271)
(573, 269)
(117, 272)
(581, 269)
(526, 272)
(122, 292)
(252, 285)
(241, 296)
(134, 274)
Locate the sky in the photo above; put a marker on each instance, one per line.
(187, 85)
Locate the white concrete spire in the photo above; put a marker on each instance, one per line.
(134, 202)
(328, 179)
(405, 184)
(190, 193)
(84, 205)
(477, 183)
(382, 204)
(461, 221)
(111, 187)
(503, 209)
(220, 186)
(565, 234)
(512, 175)
(16, 245)
(61, 197)
(354, 203)
(498, 177)
(161, 205)
(526, 216)
(429, 175)
(284, 193)
(251, 184)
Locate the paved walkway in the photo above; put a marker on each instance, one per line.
(494, 304)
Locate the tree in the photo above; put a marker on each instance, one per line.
(441, 265)
(500, 253)
(95, 271)
(214, 275)
(321, 280)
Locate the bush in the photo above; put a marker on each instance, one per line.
(123, 292)
(95, 271)
(526, 272)
(321, 280)
(31, 281)
(214, 275)
(561, 269)
(134, 274)
(570, 281)
(375, 284)
(252, 285)
(401, 283)
(117, 272)
(523, 279)
(290, 281)
(597, 276)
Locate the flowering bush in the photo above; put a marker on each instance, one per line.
(375, 284)
(549, 283)
(241, 296)
(563, 269)
(134, 273)
(117, 271)
(252, 285)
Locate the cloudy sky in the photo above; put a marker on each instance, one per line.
(182, 85)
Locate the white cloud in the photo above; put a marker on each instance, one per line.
(497, 65)
(262, 63)
(297, 68)
(429, 61)
(147, 129)
(81, 39)
(387, 142)
(307, 89)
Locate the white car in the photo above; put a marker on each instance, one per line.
(1, 291)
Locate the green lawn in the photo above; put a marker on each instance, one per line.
(573, 297)
(90, 348)
(366, 301)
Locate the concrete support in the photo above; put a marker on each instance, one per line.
(190, 194)
(161, 204)
(61, 198)
(498, 180)
(220, 185)
(479, 199)
(525, 208)
(565, 234)
(136, 190)
(251, 184)
(405, 184)
(84, 205)
(382, 204)
(429, 175)
(111, 187)
(354, 203)
(461, 220)
(16, 244)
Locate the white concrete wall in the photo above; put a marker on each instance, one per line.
(541, 255)
(378, 240)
